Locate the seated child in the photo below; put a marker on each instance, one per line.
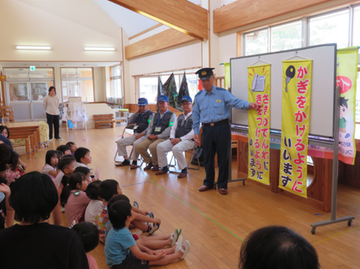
(50, 167)
(13, 172)
(121, 250)
(6, 211)
(72, 147)
(90, 238)
(64, 149)
(109, 188)
(147, 243)
(67, 166)
(75, 198)
(92, 191)
(83, 158)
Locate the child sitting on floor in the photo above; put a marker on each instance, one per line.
(83, 159)
(121, 250)
(50, 167)
(64, 149)
(147, 243)
(90, 239)
(92, 191)
(72, 147)
(76, 200)
(67, 166)
(107, 189)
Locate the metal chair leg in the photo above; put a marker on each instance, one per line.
(191, 157)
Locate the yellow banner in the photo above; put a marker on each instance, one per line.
(347, 61)
(227, 75)
(295, 125)
(259, 123)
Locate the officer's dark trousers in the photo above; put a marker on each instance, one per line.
(216, 139)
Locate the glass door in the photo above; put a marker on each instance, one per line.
(18, 96)
(26, 99)
(39, 90)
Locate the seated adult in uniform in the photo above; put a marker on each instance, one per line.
(181, 139)
(140, 119)
(158, 131)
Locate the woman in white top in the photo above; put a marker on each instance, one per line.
(51, 105)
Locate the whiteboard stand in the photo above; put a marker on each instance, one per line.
(335, 146)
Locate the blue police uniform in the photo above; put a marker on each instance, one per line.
(212, 110)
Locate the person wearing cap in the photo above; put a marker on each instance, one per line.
(211, 108)
(158, 131)
(181, 139)
(140, 120)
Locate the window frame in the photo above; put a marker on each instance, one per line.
(78, 79)
(116, 77)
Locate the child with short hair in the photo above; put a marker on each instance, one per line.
(86, 172)
(64, 149)
(109, 188)
(72, 147)
(50, 167)
(88, 234)
(67, 165)
(147, 243)
(92, 191)
(75, 198)
(83, 159)
(121, 250)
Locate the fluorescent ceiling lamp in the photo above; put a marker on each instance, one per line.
(98, 48)
(33, 47)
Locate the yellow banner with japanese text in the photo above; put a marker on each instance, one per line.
(296, 95)
(259, 123)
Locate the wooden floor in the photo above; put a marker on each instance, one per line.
(216, 225)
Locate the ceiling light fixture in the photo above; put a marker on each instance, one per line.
(99, 49)
(33, 47)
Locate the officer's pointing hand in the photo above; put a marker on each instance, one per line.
(255, 106)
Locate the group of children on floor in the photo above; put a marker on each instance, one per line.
(90, 204)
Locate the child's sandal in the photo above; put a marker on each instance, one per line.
(186, 245)
(179, 243)
(174, 236)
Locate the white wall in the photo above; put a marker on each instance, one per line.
(66, 26)
(185, 56)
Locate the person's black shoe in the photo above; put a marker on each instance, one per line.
(124, 163)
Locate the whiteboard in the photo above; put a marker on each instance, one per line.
(322, 102)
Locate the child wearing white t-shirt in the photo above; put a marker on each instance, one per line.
(51, 161)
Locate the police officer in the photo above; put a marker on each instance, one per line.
(211, 109)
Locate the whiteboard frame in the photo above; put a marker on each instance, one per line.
(324, 57)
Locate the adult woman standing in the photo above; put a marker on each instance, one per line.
(51, 105)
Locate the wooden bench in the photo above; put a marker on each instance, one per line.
(105, 120)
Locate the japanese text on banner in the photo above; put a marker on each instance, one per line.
(295, 125)
(347, 61)
(259, 123)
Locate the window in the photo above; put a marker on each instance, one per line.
(286, 36)
(148, 85)
(331, 28)
(256, 42)
(26, 85)
(77, 82)
(115, 79)
(356, 28)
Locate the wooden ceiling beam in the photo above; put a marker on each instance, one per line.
(160, 41)
(180, 15)
(244, 12)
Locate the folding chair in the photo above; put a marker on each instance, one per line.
(193, 150)
(129, 127)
